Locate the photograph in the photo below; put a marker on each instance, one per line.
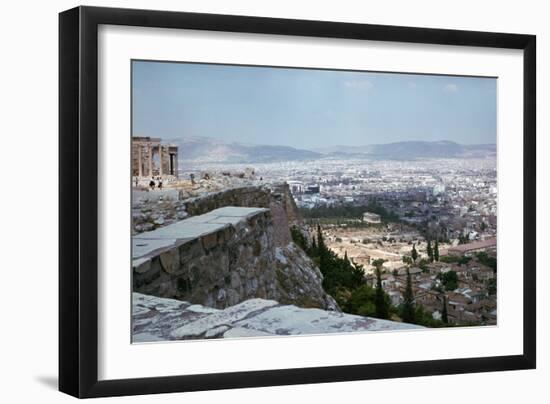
(274, 201)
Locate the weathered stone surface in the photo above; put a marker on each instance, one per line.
(224, 257)
(228, 316)
(141, 265)
(147, 244)
(152, 210)
(292, 320)
(216, 332)
(170, 260)
(144, 248)
(299, 281)
(239, 332)
(157, 319)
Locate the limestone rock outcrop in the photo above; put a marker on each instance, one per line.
(158, 319)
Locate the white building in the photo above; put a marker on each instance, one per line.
(438, 189)
(369, 217)
(296, 187)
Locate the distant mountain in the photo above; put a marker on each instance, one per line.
(411, 150)
(417, 149)
(210, 150)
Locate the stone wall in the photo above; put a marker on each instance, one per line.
(276, 197)
(224, 257)
(252, 196)
(158, 209)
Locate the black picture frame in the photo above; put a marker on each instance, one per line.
(78, 200)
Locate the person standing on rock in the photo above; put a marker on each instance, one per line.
(152, 184)
(160, 185)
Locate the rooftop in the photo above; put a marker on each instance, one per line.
(476, 245)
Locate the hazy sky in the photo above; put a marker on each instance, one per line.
(309, 108)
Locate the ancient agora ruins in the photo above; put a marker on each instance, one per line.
(151, 158)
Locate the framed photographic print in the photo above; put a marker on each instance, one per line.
(250, 201)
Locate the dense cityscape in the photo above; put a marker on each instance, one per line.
(374, 212)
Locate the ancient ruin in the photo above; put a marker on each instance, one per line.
(151, 158)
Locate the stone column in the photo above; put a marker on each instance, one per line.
(160, 160)
(140, 168)
(150, 149)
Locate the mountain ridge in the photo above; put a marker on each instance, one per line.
(212, 150)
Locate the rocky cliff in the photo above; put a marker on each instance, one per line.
(226, 256)
(157, 319)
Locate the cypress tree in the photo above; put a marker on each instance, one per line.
(408, 302)
(313, 249)
(436, 250)
(414, 253)
(320, 241)
(430, 251)
(444, 316)
(322, 252)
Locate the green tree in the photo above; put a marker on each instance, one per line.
(323, 252)
(487, 260)
(299, 238)
(425, 318)
(320, 240)
(361, 302)
(377, 263)
(340, 275)
(407, 260)
(414, 253)
(430, 251)
(423, 265)
(492, 286)
(449, 280)
(444, 315)
(407, 311)
(313, 249)
(436, 250)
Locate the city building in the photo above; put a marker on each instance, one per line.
(296, 187)
(467, 249)
(369, 217)
(438, 189)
